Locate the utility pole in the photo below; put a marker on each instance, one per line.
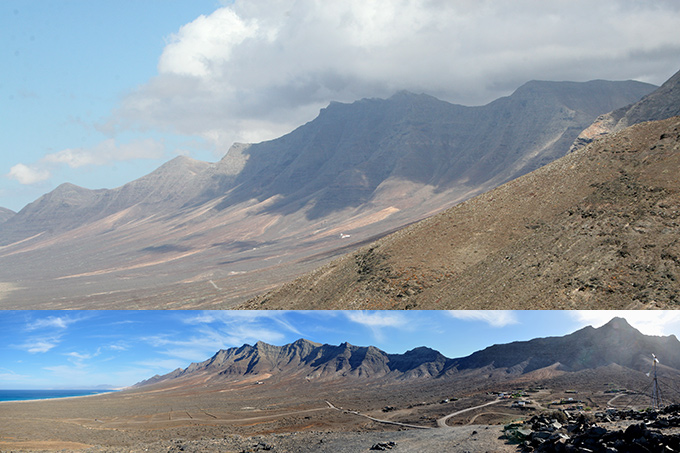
(656, 398)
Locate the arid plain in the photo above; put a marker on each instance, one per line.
(286, 417)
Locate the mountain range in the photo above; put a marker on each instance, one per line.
(614, 346)
(195, 234)
(595, 229)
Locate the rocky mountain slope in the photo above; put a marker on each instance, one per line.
(597, 228)
(615, 344)
(661, 104)
(309, 360)
(69, 206)
(354, 153)
(193, 234)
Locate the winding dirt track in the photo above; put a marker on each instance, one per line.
(442, 421)
(389, 422)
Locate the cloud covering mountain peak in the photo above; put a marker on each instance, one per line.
(272, 65)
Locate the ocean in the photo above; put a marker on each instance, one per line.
(25, 395)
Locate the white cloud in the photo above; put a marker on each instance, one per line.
(254, 70)
(28, 174)
(377, 319)
(35, 346)
(207, 340)
(495, 318)
(228, 317)
(103, 153)
(107, 152)
(118, 347)
(245, 325)
(649, 322)
(12, 376)
(51, 322)
(78, 357)
(205, 42)
(54, 325)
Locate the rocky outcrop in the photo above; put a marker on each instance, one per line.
(661, 104)
(543, 434)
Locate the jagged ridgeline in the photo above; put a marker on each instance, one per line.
(609, 350)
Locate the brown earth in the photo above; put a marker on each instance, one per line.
(228, 416)
(596, 229)
(290, 415)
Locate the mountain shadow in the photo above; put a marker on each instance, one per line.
(349, 151)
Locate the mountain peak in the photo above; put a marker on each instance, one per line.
(68, 187)
(616, 342)
(320, 361)
(305, 342)
(177, 167)
(619, 324)
(411, 96)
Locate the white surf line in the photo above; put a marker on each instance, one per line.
(389, 422)
(442, 421)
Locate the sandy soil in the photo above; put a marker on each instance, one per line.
(246, 417)
(292, 415)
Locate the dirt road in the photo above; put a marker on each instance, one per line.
(442, 421)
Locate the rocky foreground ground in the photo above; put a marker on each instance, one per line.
(470, 438)
(604, 432)
(611, 431)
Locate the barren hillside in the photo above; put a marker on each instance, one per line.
(598, 228)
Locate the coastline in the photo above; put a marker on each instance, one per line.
(108, 392)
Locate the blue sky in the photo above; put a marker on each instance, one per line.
(81, 349)
(99, 93)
